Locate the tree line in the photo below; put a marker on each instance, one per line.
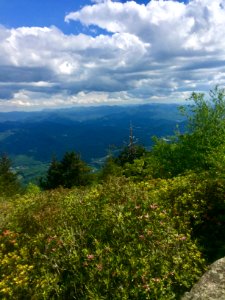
(200, 147)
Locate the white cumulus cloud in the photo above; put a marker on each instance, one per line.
(162, 50)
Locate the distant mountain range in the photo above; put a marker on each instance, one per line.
(91, 131)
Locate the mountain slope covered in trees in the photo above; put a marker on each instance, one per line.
(145, 227)
(34, 138)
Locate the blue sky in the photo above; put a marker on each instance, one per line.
(17, 13)
(60, 53)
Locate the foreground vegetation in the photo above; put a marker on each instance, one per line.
(145, 227)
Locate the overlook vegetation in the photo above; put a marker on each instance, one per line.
(144, 227)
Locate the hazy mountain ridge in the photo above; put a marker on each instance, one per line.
(91, 131)
(92, 112)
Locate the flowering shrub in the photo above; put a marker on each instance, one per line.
(118, 240)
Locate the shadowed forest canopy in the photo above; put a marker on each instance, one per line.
(70, 171)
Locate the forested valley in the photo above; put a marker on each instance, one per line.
(144, 226)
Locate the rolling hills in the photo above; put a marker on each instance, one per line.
(32, 138)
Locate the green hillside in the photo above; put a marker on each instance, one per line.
(31, 139)
(144, 227)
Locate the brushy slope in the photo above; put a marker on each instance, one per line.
(118, 240)
(148, 236)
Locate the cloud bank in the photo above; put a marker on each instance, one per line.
(131, 52)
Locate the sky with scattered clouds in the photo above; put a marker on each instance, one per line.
(69, 52)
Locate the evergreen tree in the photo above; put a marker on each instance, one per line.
(53, 177)
(74, 170)
(130, 152)
(9, 184)
(70, 171)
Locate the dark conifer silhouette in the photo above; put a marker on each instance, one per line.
(9, 183)
(70, 171)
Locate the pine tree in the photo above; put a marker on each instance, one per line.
(53, 177)
(70, 171)
(74, 171)
(130, 152)
(9, 184)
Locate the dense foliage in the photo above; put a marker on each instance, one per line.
(202, 146)
(70, 171)
(146, 230)
(9, 183)
(118, 240)
(129, 153)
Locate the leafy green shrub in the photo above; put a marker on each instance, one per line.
(201, 147)
(197, 201)
(109, 168)
(118, 240)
